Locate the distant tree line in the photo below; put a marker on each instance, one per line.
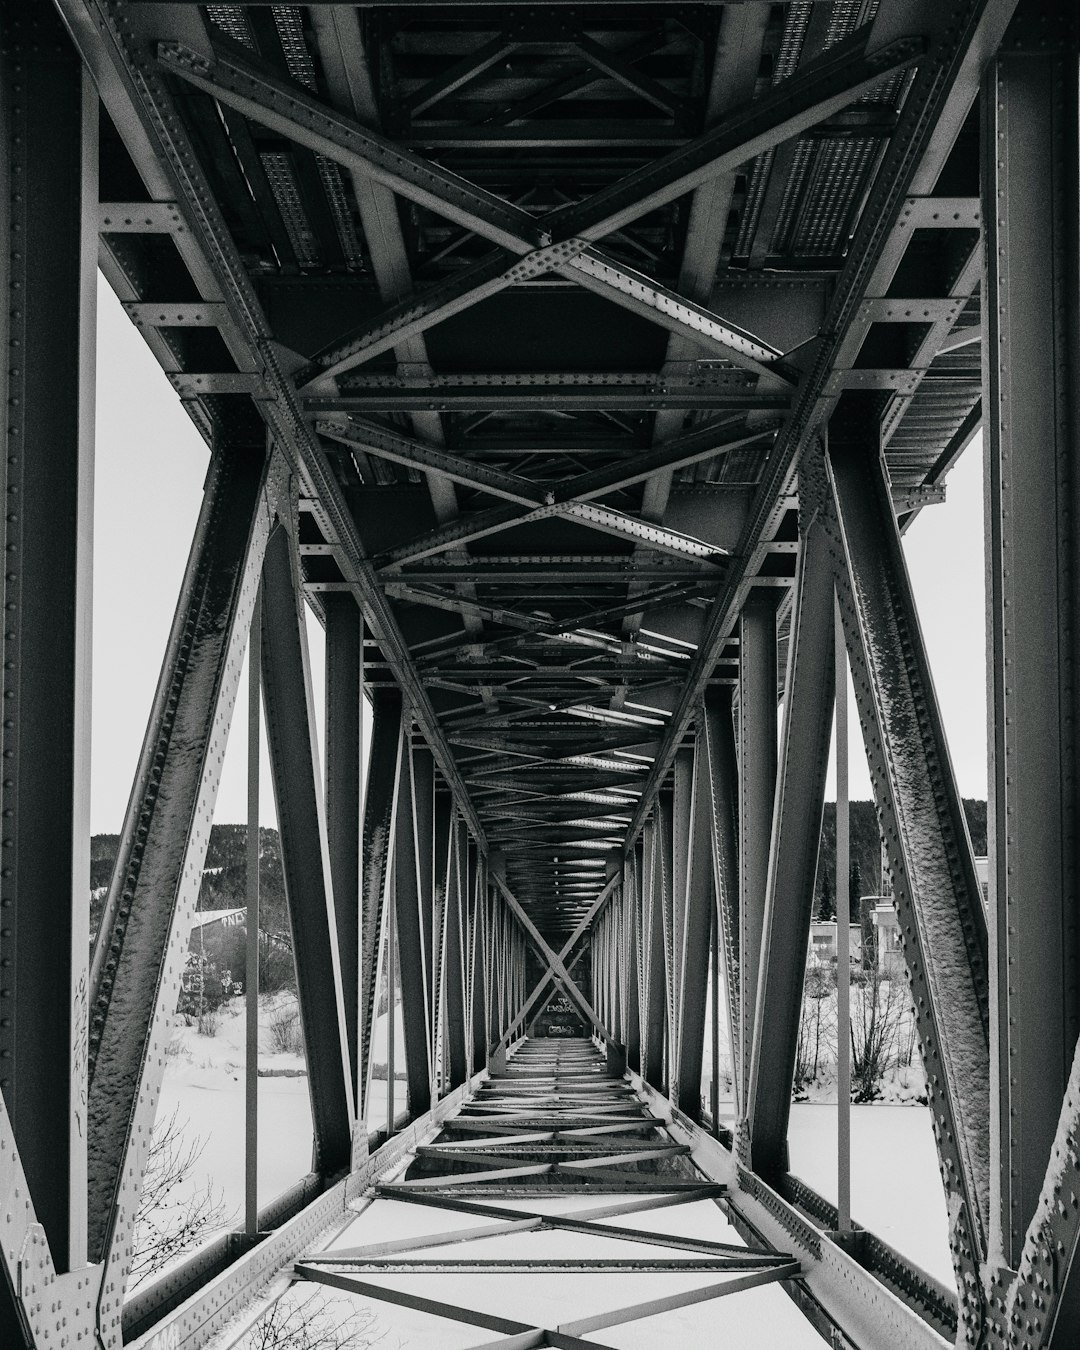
(224, 883)
(864, 877)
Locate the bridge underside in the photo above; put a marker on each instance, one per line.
(581, 367)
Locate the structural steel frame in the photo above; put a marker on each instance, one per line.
(574, 365)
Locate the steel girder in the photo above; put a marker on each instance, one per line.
(757, 786)
(305, 855)
(1030, 163)
(939, 904)
(48, 137)
(344, 792)
(660, 902)
(796, 830)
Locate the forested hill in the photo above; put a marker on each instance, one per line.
(865, 876)
(223, 883)
(224, 875)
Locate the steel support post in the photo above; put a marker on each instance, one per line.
(1031, 162)
(475, 937)
(632, 903)
(294, 761)
(411, 963)
(757, 786)
(938, 900)
(718, 726)
(380, 797)
(48, 205)
(652, 955)
(144, 931)
(693, 956)
(456, 950)
(443, 826)
(682, 798)
(252, 851)
(665, 895)
(796, 829)
(344, 696)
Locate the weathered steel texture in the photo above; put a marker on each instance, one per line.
(408, 898)
(114, 40)
(654, 1000)
(630, 899)
(1032, 307)
(942, 91)
(48, 205)
(796, 829)
(456, 951)
(1040, 1306)
(694, 947)
(477, 887)
(139, 951)
(443, 841)
(344, 693)
(757, 786)
(380, 802)
(682, 804)
(718, 743)
(294, 760)
(939, 904)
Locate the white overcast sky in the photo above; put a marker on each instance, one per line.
(150, 469)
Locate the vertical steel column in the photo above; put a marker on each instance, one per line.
(251, 922)
(652, 945)
(294, 760)
(456, 953)
(757, 786)
(938, 900)
(714, 1086)
(380, 797)
(719, 744)
(138, 955)
(344, 698)
(694, 955)
(682, 795)
(796, 829)
(843, 941)
(423, 809)
(407, 917)
(477, 1009)
(1032, 400)
(48, 208)
(438, 975)
(632, 904)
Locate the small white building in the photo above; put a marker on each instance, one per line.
(890, 956)
(823, 942)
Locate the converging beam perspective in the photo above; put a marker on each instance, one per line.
(576, 370)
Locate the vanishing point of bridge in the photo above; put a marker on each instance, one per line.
(581, 366)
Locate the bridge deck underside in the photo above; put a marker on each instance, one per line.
(581, 366)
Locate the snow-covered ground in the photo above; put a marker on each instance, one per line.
(204, 1084)
(896, 1188)
(896, 1191)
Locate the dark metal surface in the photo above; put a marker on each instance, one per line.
(543, 312)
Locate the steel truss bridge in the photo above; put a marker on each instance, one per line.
(581, 365)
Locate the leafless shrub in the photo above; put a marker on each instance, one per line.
(817, 1025)
(876, 1018)
(286, 1035)
(315, 1323)
(172, 1219)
